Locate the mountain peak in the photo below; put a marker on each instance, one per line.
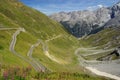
(118, 3)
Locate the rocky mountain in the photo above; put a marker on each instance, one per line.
(115, 16)
(113, 22)
(115, 9)
(80, 23)
(34, 47)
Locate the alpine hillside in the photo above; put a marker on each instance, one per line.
(98, 33)
(27, 34)
(35, 47)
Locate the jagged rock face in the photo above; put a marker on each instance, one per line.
(115, 16)
(115, 10)
(114, 22)
(80, 23)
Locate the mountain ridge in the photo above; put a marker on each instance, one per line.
(80, 23)
(32, 46)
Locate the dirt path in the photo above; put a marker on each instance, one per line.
(88, 64)
(53, 38)
(8, 28)
(97, 51)
(35, 63)
(93, 51)
(46, 50)
(53, 58)
(82, 60)
(100, 73)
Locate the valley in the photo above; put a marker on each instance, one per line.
(63, 46)
(38, 66)
(102, 68)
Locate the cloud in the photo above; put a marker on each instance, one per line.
(91, 8)
(100, 5)
(95, 7)
(54, 8)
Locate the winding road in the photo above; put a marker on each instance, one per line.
(84, 61)
(29, 54)
(8, 28)
(98, 67)
(93, 52)
(12, 46)
(90, 65)
(46, 51)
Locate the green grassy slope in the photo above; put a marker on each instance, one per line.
(6, 57)
(104, 40)
(109, 35)
(14, 14)
(61, 45)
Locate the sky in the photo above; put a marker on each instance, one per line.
(54, 6)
